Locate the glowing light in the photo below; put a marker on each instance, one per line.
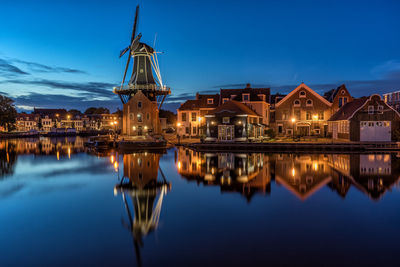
(315, 117)
(315, 166)
(200, 119)
(111, 123)
(115, 122)
(293, 172)
(179, 165)
(293, 120)
(68, 116)
(116, 166)
(58, 155)
(112, 159)
(69, 153)
(145, 127)
(179, 124)
(134, 128)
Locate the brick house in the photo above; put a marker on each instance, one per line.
(303, 111)
(366, 119)
(338, 97)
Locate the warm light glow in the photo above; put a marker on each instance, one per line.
(200, 119)
(315, 117)
(58, 155)
(68, 116)
(111, 123)
(293, 172)
(145, 127)
(179, 165)
(293, 120)
(69, 153)
(179, 124)
(116, 166)
(115, 122)
(212, 123)
(112, 159)
(134, 128)
(315, 166)
(57, 115)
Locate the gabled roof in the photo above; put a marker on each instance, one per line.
(303, 85)
(254, 92)
(234, 107)
(201, 101)
(331, 94)
(347, 111)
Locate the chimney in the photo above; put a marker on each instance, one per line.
(248, 85)
(197, 96)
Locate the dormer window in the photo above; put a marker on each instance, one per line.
(245, 97)
(296, 103)
(309, 102)
(302, 94)
(370, 109)
(224, 100)
(262, 97)
(210, 101)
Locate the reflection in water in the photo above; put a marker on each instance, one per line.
(301, 174)
(8, 157)
(140, 188)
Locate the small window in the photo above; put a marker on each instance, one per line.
(187, 130)
(370, 109)
(184, 116)
(139, 117)
(210, 101)
(309, 102)
(148, 116)
(321, 115)
(139, 104)
(340, 102)
(225, 120)
(245, 97)
(262, 97)
(380, 109)
(296, 103)
(194, 116)
(224, 100)
(302, 94)
(308, 115)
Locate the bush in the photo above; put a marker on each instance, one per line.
(270, 133)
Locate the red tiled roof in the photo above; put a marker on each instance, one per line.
(201, 101)
(236, 107)
(345, 112)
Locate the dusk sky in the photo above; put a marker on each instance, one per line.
(66, 53)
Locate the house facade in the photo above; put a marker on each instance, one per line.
(338, 97)
(302, 112)
(140, 116)
(392, 99)
(27, 122)
(233, 121)
(367, 119)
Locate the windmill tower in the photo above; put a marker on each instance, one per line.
(143, 95)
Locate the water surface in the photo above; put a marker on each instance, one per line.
(63, 205)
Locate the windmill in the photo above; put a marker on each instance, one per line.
(145, 62)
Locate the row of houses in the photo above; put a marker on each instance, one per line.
(246, 114)
(47, 120)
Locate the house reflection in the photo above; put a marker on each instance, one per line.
(302, 174)
(8, 158)
(247, 174)
(142, 194)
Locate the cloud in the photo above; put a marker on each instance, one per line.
(89, 89)
(38, 67)
(388, 70)
(9, 70)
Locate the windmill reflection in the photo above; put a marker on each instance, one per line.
(140, 188)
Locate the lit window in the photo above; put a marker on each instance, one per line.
(224, 100)
(194, 116)
(225, 120)
(139, 117)
(210, 101)
(245, 97)
(183, 116)
(321, 115)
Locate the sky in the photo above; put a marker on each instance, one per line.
(65, 54)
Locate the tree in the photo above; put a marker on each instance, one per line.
(118, 112)
(75, 112)
(100, 110)
(8, 113)
(171, 117)
(90, 111)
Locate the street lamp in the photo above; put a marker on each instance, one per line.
(293, 122)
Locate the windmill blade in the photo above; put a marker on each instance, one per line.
(135, 42)
(123, 51)
(126, 69)
(135, 24)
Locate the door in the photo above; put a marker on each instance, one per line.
(140, 131)
(225, 132)
(375, 131)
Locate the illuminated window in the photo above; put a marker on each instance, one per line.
(194, 116)
(245, 97)
(321, 115)
(183, 116)
(225, 120)
(224, 100)
(139, 117)
(210, 101)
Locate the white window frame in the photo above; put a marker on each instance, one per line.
(297, 105)
(226, 120)
(248, 97)
(309, 105)
(371, 109)
(302, 94)
(210, 101)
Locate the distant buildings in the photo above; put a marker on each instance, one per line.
(392, 99)
(58, 120)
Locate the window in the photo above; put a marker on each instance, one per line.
(184, 116)
(245, 97)
(380, 109)
(308, 115)
(194, 130)
(302, 94)
(210, 101)
(280, 129)
(187, 130)
(344, 100)
(225, 120)
(296, 103)
(148, 116)
(139, 117)
(309, 102)
(139, 104)
(342, 92)
(193, 116)
(224, 100)
(297, 114)
(321, 115)
(370, 109)
(340, 102)
(285, 115)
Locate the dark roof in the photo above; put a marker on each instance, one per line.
(345, 112)
(275, 98)
(200, 102)
(254, 92)
(331, 94)
(236, 107)
(49, 111)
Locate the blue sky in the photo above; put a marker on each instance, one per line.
(65, 53)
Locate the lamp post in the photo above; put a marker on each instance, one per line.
(293, 122)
